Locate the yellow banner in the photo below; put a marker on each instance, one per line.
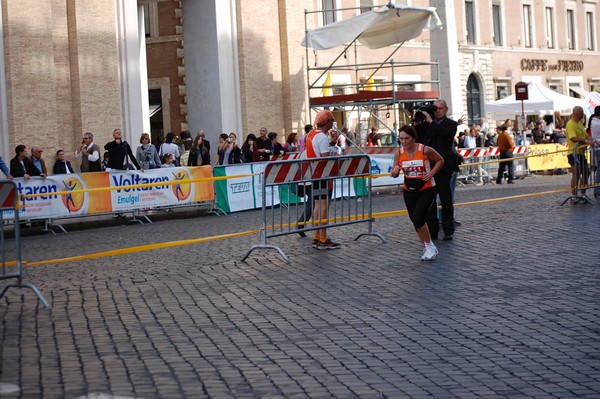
(545, 157)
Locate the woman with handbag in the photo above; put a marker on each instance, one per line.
(146, 154)
(415, 161)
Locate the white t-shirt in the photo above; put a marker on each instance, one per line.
(320, 143)
(595, 128)
(169, 148)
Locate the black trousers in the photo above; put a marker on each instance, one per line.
(506, 165)
(443, 189)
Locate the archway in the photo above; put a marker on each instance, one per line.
(473, 99)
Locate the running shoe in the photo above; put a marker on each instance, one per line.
(328, 245)
(429, 253)
(316, 243)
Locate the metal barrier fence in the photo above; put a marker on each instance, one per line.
(473, 171)
(9, 203)
(585, 174)
(291, 182)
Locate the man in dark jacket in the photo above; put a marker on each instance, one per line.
(62, 166)
(119, 152)
(438, 133)
(21, 166)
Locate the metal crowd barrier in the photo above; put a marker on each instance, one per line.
(291, 182)
(9, 203)
(585, 174)
(479, 169)
(472, 171)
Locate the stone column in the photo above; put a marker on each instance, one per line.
(444, 48)
(212, 69)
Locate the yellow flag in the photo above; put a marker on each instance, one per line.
(326, 90)
(370, 86)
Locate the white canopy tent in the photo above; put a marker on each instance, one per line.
(592, 100)
(541, 99)
(384, 26)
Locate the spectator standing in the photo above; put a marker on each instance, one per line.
(415, 160)
(249, 150)
(37, 161)
(277, 148)
(395, 134)
(485, 127)
(264, 145)
(146, 154)
(229, 153)
(89, 152)
(506, 146)
(119, 152)
(167, 161)
(469, 140)
(374, 139)
(594, 126)
(199, 154)
(317, 146)
(576, 134)
(105, 158)
(61, 165)
(334, 143)
(291, 144)
(537, 133)
(20, 165)
(439, 134)
(205, 141)
(169, 147)
(302, 140)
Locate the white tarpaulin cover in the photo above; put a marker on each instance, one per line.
(384, 26)
(541, 99)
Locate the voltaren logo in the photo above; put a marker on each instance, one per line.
(181, 190)
(73, 201)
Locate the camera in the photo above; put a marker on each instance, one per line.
(419, 115)
(230, 140)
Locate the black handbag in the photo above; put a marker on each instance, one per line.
(413, 184)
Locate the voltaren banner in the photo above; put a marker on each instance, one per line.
(60, 196)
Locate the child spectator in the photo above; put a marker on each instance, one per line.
(167, 161)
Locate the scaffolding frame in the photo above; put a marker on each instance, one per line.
(366, 95)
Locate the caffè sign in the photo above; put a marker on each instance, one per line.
(528, 64)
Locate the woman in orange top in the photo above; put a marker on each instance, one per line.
(415, 161)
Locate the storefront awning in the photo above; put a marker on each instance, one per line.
(578, 90)
(384, 26)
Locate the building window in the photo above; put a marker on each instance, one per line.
(470, 21)
(527, 26)
(497, 19)
(549, 27)
(328, 7)
(571, 29)
(502, 90)
(556, 86)
(150, 19)
(590, 31)
(405, 87)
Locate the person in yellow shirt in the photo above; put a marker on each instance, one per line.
(576, 134)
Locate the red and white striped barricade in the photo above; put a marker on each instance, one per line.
(295, 182)
(520, 165)
(473, 169)
(9, 202)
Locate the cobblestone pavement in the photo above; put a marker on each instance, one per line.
(511, 308)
